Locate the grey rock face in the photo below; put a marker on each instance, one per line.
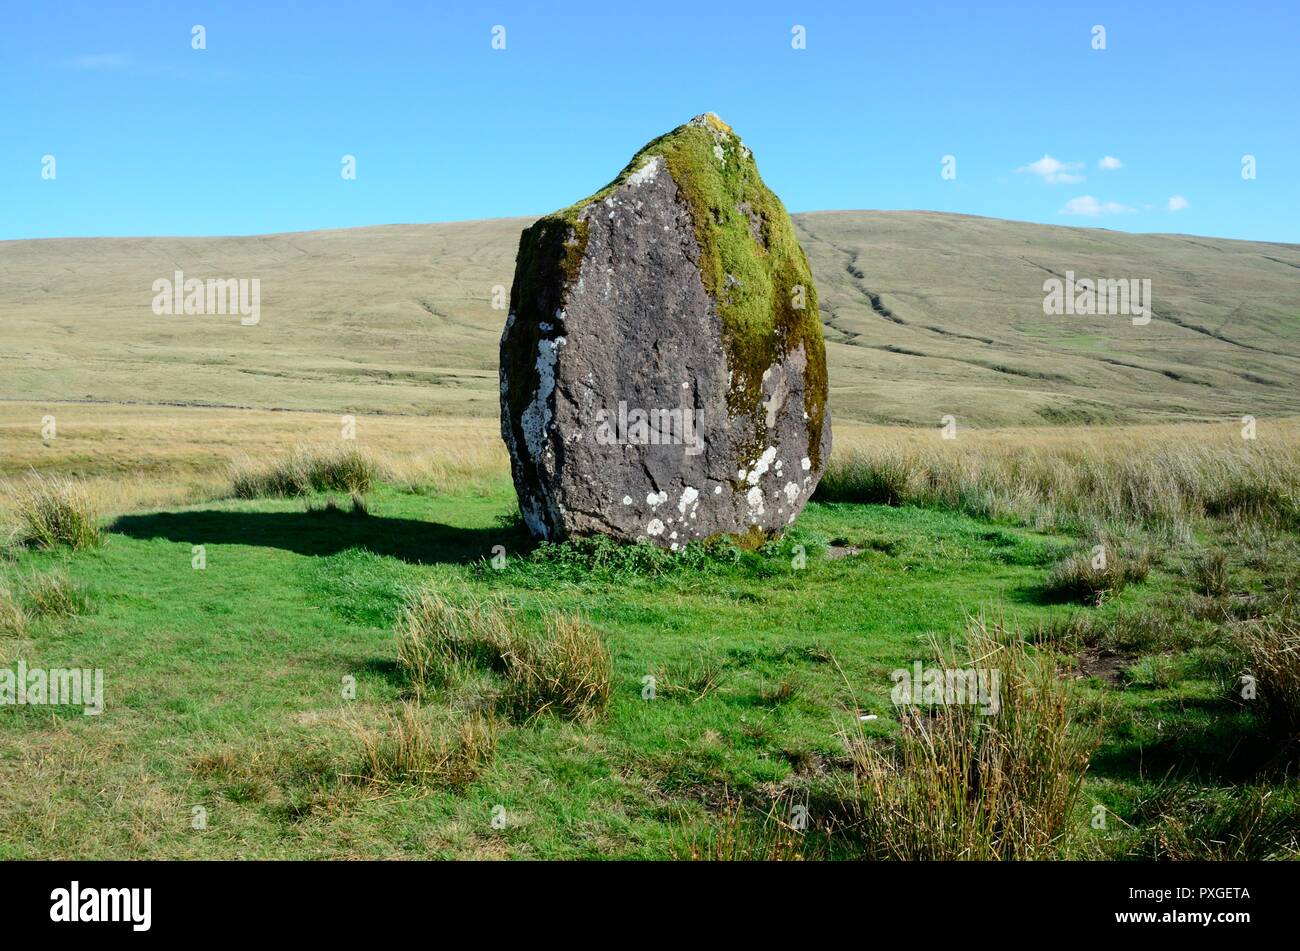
(619, 407)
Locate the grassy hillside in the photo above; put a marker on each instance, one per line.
(925, 314)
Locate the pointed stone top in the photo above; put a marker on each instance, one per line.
(710, 120)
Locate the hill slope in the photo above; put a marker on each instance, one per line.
(925, 314)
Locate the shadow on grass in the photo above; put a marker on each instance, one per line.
(1230, 748)
(327, 533)
(1038, 595)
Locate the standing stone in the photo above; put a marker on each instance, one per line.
(663, 374)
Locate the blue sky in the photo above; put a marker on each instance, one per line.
(150, 136)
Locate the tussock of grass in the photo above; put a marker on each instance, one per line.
(1272, 646)
(1077, 579)
(410, 749)
(691, 680)
(437, 639)
(346, 469)
(960, 784)
(54, 511)
(53, 595)
(1210, 574)
(567, 671)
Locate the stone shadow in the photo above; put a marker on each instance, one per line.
(327, 533)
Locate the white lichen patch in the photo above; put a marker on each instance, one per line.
(627, 500)
(655, 527)
(791, 491)
(536, 417)
(717, 490)
(761, 465)
(755, 499)
(805, 463)
(646, 173)
(656, 498)
(689, 495)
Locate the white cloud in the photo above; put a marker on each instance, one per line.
(1110, 162)
(1053, 172)
(98, 61)
(1090, 207)
(1178, 203)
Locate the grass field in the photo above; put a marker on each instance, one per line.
(267, 688)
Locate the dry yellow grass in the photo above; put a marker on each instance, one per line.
(134, 457)
(1078, 478)
(138, 457)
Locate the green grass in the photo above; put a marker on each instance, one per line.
(249, 655)
(225, 687)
